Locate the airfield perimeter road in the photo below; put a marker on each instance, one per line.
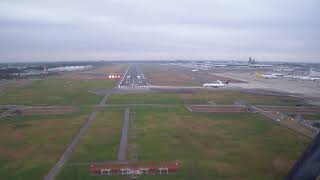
(124, 137)
(134, 78)
(65, 156)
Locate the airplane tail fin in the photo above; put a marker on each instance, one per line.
(258, 74)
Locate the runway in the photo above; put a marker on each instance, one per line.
(134, 78)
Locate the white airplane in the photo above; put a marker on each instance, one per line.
(313, 76)
(269, 76)
(220, 65)
(216, 85)
(195, 70)
(305, 78)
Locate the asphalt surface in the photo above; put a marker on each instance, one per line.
(122, 154)
(306, 88)
(134, 78)
(8, 112)
(76, 139)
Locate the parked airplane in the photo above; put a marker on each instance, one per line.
(195, 70)
(309, 78)
(269, 76)
(313, 76)
(216, 85)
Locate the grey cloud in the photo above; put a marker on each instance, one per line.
(143, 29)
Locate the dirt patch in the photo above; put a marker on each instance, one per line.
(218, 109)
(46, 110)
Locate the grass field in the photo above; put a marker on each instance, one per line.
(311, 117)
(54, 91)
(100, 143)
(102, 139)
(219, 97)
(96, 73)
(3, 110)
(31, 145)
(219, 146)
(146, 98)
(110, 68)
(223, 146)
(162, 75)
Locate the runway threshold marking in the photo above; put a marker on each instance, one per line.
(125, 75)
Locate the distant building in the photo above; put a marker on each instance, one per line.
(251, 60)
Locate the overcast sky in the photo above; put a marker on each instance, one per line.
(158, 30)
